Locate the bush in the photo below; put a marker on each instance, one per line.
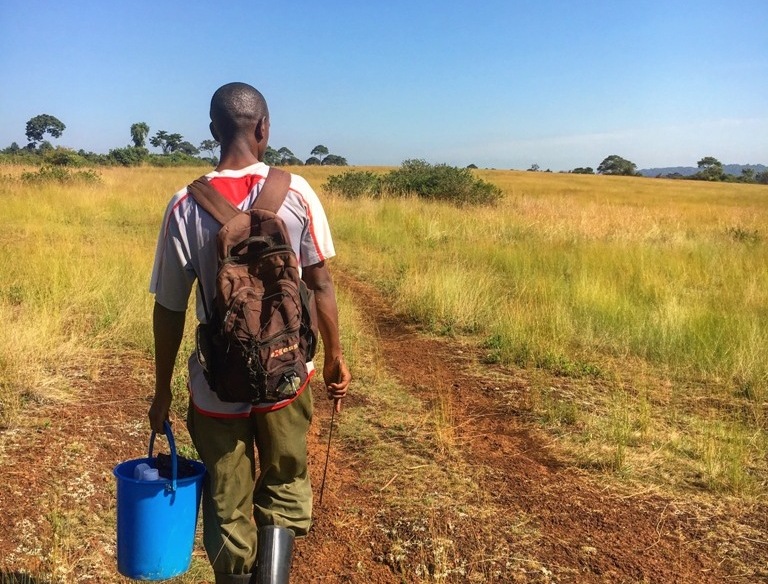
(64, 157)
(176, 159)
(417, 177)
(128, 156)
(61, 175)
(440, 182)
(355, 184)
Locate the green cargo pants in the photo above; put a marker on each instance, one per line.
(233, 497)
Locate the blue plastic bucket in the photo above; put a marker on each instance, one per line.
(156, 519)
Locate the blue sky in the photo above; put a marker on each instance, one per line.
(501, 84)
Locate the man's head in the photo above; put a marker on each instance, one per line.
(239, 113)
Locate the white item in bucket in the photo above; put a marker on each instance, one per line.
(138, 472)
(150, 474)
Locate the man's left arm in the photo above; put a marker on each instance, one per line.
(336, 375)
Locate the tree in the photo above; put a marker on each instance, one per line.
(320, 151)
(334, 160)
(762, 177)
(312, 161)
(210, 146)
(271, 157)
(583, 170)
(710, 169)
(139, 133)
(187, 148)
(168, 142)
(43, 124)
(616, 165)
(534, 168)
(285, 155)
(747, 175)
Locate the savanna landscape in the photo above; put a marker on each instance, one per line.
(569, 385)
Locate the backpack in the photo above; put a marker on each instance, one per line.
(262, 332)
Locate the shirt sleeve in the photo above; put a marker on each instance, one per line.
(316, 241)
(172, 274)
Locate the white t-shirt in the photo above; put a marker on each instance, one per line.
(186, 251)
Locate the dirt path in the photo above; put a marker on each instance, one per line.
(57, 492)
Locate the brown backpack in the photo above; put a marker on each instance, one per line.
(262, 331)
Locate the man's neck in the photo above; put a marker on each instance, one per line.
(235, 156)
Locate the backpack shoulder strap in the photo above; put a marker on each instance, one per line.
(273, 191)
(211, 200)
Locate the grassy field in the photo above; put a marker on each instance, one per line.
(636, 308)
(650, 295)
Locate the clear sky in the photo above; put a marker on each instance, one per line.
(501, 84)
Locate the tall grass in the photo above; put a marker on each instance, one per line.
(626, 281)
(74, 274)
(594, 266)
(648, 287)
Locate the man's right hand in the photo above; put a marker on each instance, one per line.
(337, 377)
(159, 411)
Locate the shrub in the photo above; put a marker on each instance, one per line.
(128, 156)
(417, 177)
(64, 157)
(440, 182)
(61, 175)
(354, 184)
(176, 159)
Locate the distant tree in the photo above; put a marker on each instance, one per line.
(710, 168)
(292, 161)
(534, 168)
(334, 160)
(210, 146)
(187, 148)
(762, 177)
(271, 157)
(43, 124)
(139, 133)
(583, 170)
(285, 154)
(616, 165)
(320, 151)
(12, 149)
(312, 161)
(472, 166)
(747, 175)
(167, 142)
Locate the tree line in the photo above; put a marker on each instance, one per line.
(710, 169)
(175, 150)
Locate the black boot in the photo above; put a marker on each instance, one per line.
(232, 578)
(274, 558)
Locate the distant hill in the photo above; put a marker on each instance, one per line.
(734, 169)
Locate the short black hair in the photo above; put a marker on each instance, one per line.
(235, 108)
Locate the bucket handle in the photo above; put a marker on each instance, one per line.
(174, 463)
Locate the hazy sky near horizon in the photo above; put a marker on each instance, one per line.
(501, 84)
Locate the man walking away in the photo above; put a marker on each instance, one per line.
(249, 519)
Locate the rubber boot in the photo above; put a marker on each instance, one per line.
(274, 556)
(232, 578)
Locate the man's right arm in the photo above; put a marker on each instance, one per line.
(168, 329)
